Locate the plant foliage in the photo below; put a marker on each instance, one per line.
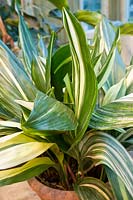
(70, 111)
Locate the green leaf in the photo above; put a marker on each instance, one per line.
(93, 18)
(126, 29)
(105, 119)
(49, 61)
(109, 63)
(117, 114)
(7, 130)
(119, 190)
(27, 44)
(108, 35)
(131, 61)
(9, 127)
(83, 78)
(26, 104)
(69, 87)
(129, 80)
(98, 44)
(42, 48)
(10, 124)
(60, 3)
(26, 171)
(38, 72)
(21, 153)
(89, 17)
(97, 63)
(12, 85)
(60, 157)
(104, 73)
(104, 149)
(115, 92)
(4, 114)
(14, 139)
(125, 135)
(61, 65)
(50, 114)
(93, 189)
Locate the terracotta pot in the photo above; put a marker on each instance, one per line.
(47, 193)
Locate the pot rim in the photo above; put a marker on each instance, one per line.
(48, 193)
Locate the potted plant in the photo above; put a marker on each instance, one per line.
(68, 115)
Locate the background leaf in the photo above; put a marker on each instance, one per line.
(89, 17)
(59, 3)
(127, 29)
(108, 35)
(115, 92)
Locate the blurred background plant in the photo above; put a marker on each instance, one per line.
(43, 16)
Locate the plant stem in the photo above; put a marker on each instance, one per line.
(102, 172)
(87, 170)
(71, 173)
(66, 180)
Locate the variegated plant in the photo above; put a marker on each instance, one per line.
(71, 107)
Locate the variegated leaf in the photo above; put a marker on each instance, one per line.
(93, 189)
(104, 149)
(117, 114)
(26, 171)
(83, 77)
(21, 153)
(12, 86)
(49, 114)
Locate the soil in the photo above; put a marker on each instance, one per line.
(51, 177)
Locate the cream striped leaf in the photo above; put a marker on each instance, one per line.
(91, 188)
(105, 71)
(27, 43)
(21, 153)
(120, 191)
(83, 77)
(49, 114)
(117, 114)
(10, 124)
(4, 114)
(115, 92)
(106, 150)
(26, 171)
(12, 85)
(108, 35)
(125, 135)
